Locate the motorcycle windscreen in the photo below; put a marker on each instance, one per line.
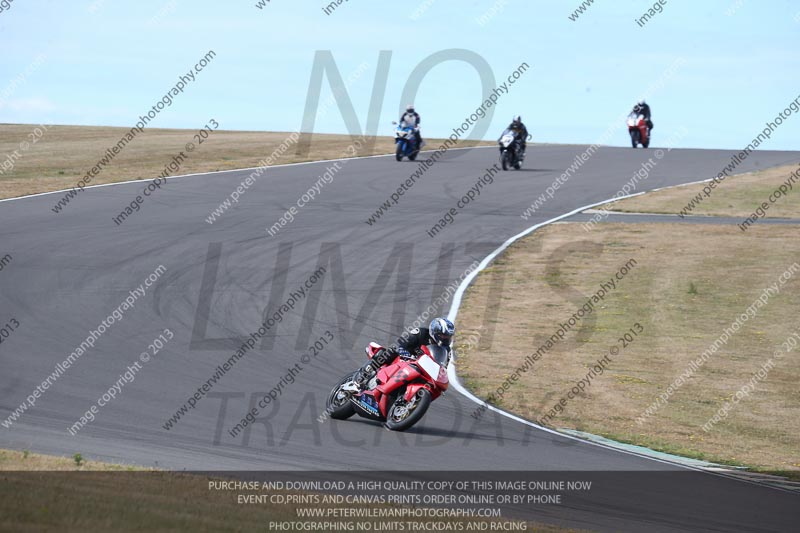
(440, 354)
(434, 363)
(429, 366)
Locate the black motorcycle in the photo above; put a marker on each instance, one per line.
(510, 150)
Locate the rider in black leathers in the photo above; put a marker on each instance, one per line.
(440, 332)
(520, 134)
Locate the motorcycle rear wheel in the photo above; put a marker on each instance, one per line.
(402, 415)
(339, 406)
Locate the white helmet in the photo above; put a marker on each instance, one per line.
(410, 107)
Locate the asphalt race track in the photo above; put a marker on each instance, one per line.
(71, 270)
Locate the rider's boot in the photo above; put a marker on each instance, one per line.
(360, 381)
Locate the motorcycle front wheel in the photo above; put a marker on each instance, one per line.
(402, 414)
(504, 160)
(398, 153)
(338, 405)
(635, 138)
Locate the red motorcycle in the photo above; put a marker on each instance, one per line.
(637, 127)
(399, 394)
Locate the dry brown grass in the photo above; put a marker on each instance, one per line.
(64, 154)
(737, 196)
(13, 460)
(95, 500)
(38, 493)
(691, 281)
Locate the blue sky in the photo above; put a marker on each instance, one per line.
(107, 61)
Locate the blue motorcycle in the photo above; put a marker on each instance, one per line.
(406, 142)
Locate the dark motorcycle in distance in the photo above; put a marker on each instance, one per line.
(406, 142)
(510, 150)
(638, 130)
(399, 394)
